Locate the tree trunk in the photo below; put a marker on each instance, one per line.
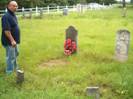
(124, 3)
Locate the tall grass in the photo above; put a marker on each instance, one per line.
(42, 41)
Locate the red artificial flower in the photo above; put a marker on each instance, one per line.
(69, 47)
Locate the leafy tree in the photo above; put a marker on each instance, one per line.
(124, 3)
(82, 1)
(107, 1)
(90, 1)
(3, 3)
(55, 2)
(30, 3)
(102, 1)
(72, 2)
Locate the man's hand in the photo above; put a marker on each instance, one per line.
(13, 43)
(9, 36)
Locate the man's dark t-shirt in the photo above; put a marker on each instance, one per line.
(10, 23)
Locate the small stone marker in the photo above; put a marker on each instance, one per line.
(122, 45)
(71, 33)
(20, 77)
(93, 91)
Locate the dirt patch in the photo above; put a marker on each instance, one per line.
(54, 62)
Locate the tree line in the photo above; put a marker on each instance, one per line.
(34, 3)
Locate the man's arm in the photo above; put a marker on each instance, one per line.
(6, 28)
(9, 36)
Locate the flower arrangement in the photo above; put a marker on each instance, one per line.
(69, 47)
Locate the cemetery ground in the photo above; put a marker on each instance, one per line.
(49, 74)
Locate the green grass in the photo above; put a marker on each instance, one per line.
(94, 65)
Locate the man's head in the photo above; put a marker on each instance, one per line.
(12, 5)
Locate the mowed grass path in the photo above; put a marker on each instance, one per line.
(94, 65)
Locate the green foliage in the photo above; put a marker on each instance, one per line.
(42, 41)
(30, 3)
(3, 3)
(72, 2)
(102, 1)
(107, 2)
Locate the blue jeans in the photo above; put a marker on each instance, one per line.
(11, 58)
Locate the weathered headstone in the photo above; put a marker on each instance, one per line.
(122, 45)
(41, 12)
(70, 44)
(36, 11)
(124, 12)
(71, 33)
(30, 13)
(82, 8)
(65, 11)
(93, 91)
(23, 13)
(20, 77)
(78, 8)
(27, 14)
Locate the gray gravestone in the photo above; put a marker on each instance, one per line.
(124, 12)
(71, 33)
(93, 91)
(20, 77)
(30, 13)
(78, 8)
(23, 13)
(41, 12)
(27, 14)
(65, 11)
(122, 45)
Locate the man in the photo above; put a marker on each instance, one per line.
(10, 36)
